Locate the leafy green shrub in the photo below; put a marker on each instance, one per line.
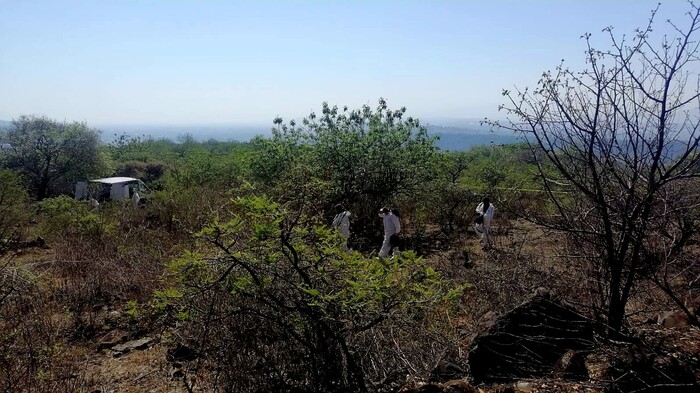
(362, 158)
(69, 220)
(148, 172)
(274, 302)
(52, 155)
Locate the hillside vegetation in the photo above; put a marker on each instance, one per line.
(226, 274)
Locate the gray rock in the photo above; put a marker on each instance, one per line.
(127, 347)
(672, 319)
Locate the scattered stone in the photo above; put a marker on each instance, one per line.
(458, 386)
(487, 320)
(127, 347)
(542, 291)
(525, 387)
(445, 371)
(113, 317)
(111, 339)
(106, 345)
(672, 319)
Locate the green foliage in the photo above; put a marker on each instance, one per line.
(132, 309)
(495, 168)
(185, 164)
(51, 155)
(282, 272)
(362, 158)
(142, 149)
(70, 220)
(148, 172)
(446, 200)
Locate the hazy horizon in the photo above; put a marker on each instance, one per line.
(454, 134)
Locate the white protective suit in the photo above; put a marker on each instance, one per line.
(342, 222)
(392, 226)
(485, 231)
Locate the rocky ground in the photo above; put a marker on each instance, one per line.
(542, 344)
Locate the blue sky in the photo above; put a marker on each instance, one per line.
(222, 62)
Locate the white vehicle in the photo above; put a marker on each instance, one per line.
(110, 188)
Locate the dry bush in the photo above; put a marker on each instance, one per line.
(273, 304)
(184, 211)
(103, 258)
(32, 357)
(523, 261)
(100, 260)
(146, 171)
(14, 209)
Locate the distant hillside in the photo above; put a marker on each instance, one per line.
(200, 133)
(451, 137)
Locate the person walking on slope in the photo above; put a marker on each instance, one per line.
(135, 199)
(485, 211)
(341, 222)
(392, 228)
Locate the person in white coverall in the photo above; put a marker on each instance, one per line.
(392, 227)
(341, 222)
(485, 209)
(135, 199)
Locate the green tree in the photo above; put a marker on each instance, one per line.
(362, 158)
(449, 202)
(276, 303)
(52, 155)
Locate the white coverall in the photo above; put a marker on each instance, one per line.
(342, 222)
(488, 216)
(392, 226)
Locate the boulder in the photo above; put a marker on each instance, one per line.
(529, 342)
(672, 319)
(127, 347)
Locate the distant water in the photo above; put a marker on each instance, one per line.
(466, 140)
(452, 138)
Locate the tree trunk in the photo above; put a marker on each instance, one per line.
(616, 312)
(616, 306)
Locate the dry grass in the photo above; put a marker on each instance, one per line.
(64, 311)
